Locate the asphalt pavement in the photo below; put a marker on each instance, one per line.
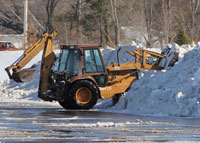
(32, 122)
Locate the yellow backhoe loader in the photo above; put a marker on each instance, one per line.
(81, 77)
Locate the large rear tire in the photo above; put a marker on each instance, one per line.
(82, 95)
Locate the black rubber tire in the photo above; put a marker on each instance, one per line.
(71, 102)
(115, 98)
(174, 60)
(65, 104)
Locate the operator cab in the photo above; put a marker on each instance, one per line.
(70, 61)
(82, 60)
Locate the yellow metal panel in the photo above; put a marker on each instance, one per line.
(122, 67)
(48, 59)
(117, 86)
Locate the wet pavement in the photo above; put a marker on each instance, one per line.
(31, 122)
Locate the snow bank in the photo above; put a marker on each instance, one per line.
(22, 92)
(174, 91)
(10, 89)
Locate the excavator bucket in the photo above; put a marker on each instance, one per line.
(171, 57)
(24, 75)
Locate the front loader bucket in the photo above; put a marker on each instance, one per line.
(24, 75)
(171, 57)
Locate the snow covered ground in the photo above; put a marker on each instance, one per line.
(10, 91)
(174, 91)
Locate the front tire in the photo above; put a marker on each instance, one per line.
(81, 95)
(115, 98)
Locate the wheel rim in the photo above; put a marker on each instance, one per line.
(83, 95)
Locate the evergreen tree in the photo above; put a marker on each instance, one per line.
(95, 20)
(182, 38)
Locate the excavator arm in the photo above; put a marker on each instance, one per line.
(15, 70)
(48, 59)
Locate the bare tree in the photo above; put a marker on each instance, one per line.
(194, 7)
(166, 8)
(148, 14)
(116, 21)
(11, 16)
(79, 9)
(51, 4)
(36, 20)
(75, 20)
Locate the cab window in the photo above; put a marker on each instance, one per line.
(92, 61)
(63, 60)
(98, 61)
(70, 62)
(73, 67)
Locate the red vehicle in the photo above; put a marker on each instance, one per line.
(7, 46)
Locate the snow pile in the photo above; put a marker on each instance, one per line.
(13, 91)
(174, 91)
(110, 55)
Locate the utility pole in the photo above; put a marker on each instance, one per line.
(25, 22)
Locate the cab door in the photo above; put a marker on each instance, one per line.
(70, 62)
(94, 65)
